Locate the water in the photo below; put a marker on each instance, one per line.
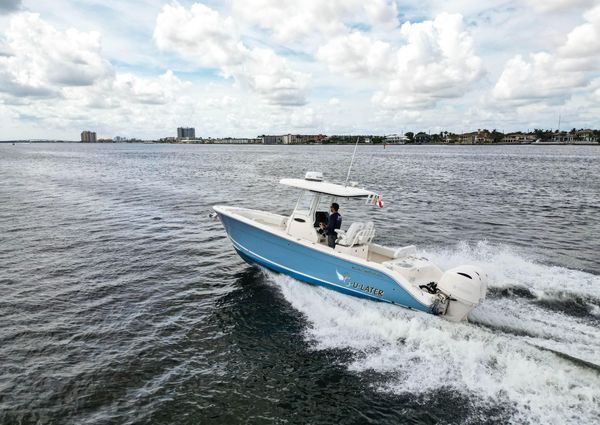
(122, 302)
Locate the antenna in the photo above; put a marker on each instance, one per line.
(559, 122)
(351, 161)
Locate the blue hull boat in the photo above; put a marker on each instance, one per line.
(355, 266)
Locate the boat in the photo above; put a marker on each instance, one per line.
(356, 266)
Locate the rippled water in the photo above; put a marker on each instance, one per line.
(122, 302)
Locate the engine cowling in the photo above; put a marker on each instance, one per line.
(465, 286)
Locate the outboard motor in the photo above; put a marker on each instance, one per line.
(465, 287)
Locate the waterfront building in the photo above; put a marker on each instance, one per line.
(296, 139)
(290, 139)
(581, 136)
(186, 133)
(271, 140)
(519, 138)
(475, 137)
(422, 137)
(586, 136)
(238, 141)
(563, 137)
(88, 136)
(395, 139)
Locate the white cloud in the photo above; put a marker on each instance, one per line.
(558, 5)
(292, 21)
(220, 102)
(554, 76)
(537, 78)
(584, 40)
(200, 33)
(207, 38)
(272, 78)
(357, 55)
(57, 78)
(435, 60)
(304, 118)
(504, 64)
(37, 59)
(151, 91)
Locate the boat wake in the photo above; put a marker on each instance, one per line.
(533, 347)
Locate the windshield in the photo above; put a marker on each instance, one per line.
(324, 203)
(304, 203)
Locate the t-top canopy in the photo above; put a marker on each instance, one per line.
(328, 188)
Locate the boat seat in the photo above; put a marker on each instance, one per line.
(351, 236)
(367, 234)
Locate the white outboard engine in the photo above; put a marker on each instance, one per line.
(465, 287)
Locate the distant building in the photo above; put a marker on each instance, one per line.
(296, 139)
(272, 140)
(563, 137)
(575, 137)
(421, 138)
(88, 136)
(519, 138)
(291, 139)
(586, 136)
(186, 133)
(474, 137)
(119, 139)
(237, 141)
(395, 139)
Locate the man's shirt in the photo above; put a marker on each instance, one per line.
(335, 222)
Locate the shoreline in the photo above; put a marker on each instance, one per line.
(24, 142)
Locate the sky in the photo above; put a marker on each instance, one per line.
(242, 68)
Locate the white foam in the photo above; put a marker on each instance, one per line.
(508, 267)
(419, 353)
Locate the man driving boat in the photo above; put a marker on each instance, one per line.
(334, 222)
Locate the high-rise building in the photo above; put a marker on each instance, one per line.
(186, 133)
(88, 136)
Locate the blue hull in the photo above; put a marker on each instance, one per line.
(313, 266)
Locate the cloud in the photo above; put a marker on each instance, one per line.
(293, 21)
(339, 66)
(304, 118)
(554, 76)
(584, 40)
(536, 78)
(434, 60)
(222, 102)
(8, 84)
(7, 6)
(150, 91)
(203, 36)
(558, 5)
(37, 59)
(357, 55)
(60, 79)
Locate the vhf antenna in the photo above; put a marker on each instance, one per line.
(351, 161)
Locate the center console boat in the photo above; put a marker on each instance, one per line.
(357, 265)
